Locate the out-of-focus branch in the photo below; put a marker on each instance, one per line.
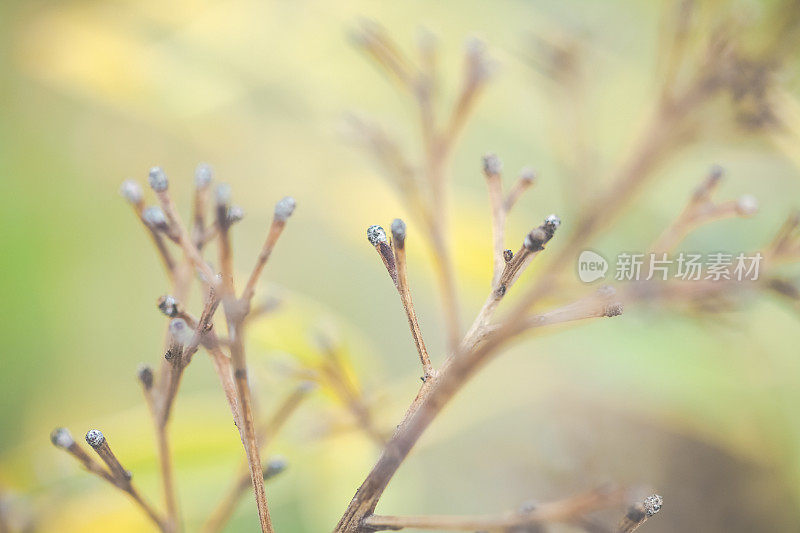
(567, 510)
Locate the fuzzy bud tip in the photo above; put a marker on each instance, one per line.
(145, 375)
(131, 191)
(275, 466)
(62, 438)
(376, 235)
(95, 438)
(154, 217)
(157, 179)
(492, 165)
(527, 175)
(614, 309)
(716, 173)
(398, 230)
(179, 330)
(284, 208)
(747, 205)
(552, 221)
(235, 214)
(203, 175)
(168, 305)
(652, 504)
(223, 194)
(536, 239)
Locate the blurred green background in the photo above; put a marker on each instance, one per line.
(702, 409)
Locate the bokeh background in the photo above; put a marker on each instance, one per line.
(700, 407)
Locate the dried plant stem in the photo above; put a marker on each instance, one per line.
(167, 477)
(248, 426)
(116, 474)
(700, 210)
(275, 230)
(522, 184)
(338, 379)
(496, 201)
(567, 510)
(158, 241)
(189, 249)
(408, 305)
(435, 394)
(224, 510)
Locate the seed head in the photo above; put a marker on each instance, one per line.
(203, 175)
(145, 375)
(223, 194)
(376, 235)
(747, 205)
(536, 239)
(652, 504)
(157, 179)
(716, 173)
(154, 217)
(275, 466)
(614, 309)
(528, 175)
(180, 331)
(131, 191)
(552, 221)
(95, 438)
(284, 208)
(235, 214)
(168, 305)
(399, 230)
(492, 166)
(62, 438)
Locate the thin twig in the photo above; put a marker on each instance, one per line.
(566, 510)
(399, 247)
(265, 434)
(61, 438)
(492, 168)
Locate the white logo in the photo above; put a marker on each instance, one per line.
(591, 266)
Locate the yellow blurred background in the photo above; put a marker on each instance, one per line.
(701, 408)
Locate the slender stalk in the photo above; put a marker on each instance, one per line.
(248, 427)
(567, 510)
(399, 247)
(701, 209)
(224, 510)
(116, 476)
(491, 169)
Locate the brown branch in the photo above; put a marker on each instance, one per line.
(283, 210)
(639, 513)
(492, 167)
(202, 180)
(567, 510)
(533, 243)
(701, 209)
(118, 476)
(227, 506)
(132, 192)
(433, 396)
(335, 375)
(523, 183)
(158, 182)
(223, 511)
(399, 247)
